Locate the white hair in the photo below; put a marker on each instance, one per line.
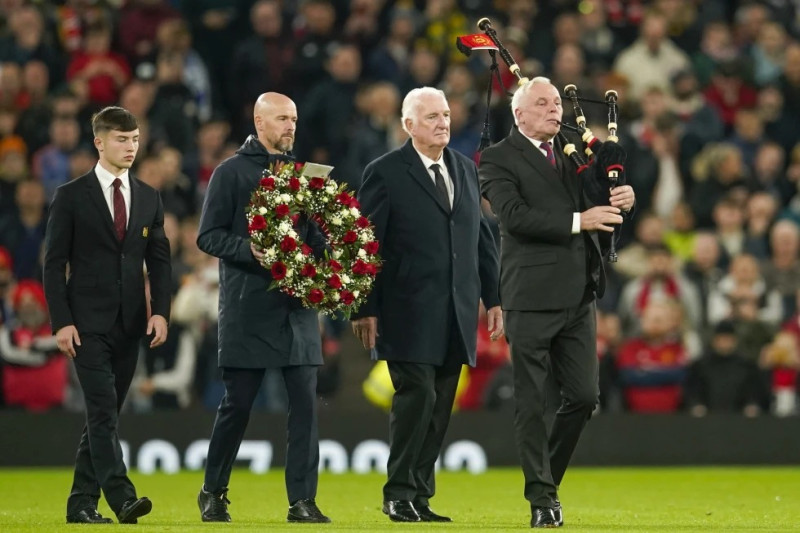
(411, 102)
(516, 100)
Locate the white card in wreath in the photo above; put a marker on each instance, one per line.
(315, 170)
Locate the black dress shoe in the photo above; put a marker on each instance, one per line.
(133, 509)
(400, 511)
(426, 514)
(557, 514)
(88, 516)
(213, 505)
(543, 517)
(306, 511)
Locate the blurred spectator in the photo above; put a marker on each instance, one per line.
(769, 174)
(51, 163)
(12, 96)
(209, 144)
(329, 113)
(683, 23)
(760, 212)
(363, 25)
(748, 134)
(749, 19)
(652, 59)
(445, 22)
(609, 338)
(6, 284)
(744, 284)
(729, 223)
(424, 70)
(779, 126)
(717, 172)
(703, 272)
(22, 232)
(37, 110)
(314, 44)
(174, 38)
(263, 59)
(390, 59)
(139, 24)
(13, 169)
(728, 92)
(768, 53)
(680, 236)
(722, 381)
(35, 374)
(95, 72)
(632, 262)
(464, 135)
(661, 281)
(597, 40)
(790, 79)
(782, 269)
(29, 41)
(652, 367)
(781, 361)
(72, 17)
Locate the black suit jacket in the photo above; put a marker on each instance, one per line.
(544, 266)
(432, 257)
(106, 276)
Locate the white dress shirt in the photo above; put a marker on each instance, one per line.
(448, 182)
(106, 180)
(576, 217)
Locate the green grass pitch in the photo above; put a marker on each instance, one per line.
(594, 499)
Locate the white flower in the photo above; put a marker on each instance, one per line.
(292, 233)
(345, 278)
(337, 254)
(336, 221)
(335, 297)
(284, 227)
(356, 293)
(298, 256)
(262, 211)
(355, 212)
(270, 252)
(303, 180)
(364, 237)
(344, 213)
(289, 272)
(362, 253)
(299, 196)
(285, 198)
(331, 187)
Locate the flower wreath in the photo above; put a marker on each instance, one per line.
(342, 280)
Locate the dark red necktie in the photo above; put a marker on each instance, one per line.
(120, 217)
(548, 150)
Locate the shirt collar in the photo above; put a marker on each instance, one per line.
(427, 161)
(106, 178)
(535, 142)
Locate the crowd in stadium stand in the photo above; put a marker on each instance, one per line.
(701, 315)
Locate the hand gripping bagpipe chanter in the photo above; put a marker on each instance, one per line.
(610, 156)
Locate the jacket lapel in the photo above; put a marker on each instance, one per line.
(420, 174)
(457, 173)
(95, 192)
(538, 161)
(136, 205)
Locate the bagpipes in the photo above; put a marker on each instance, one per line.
(604, 166)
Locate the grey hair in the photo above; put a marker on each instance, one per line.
(516, 100)
(411, 102)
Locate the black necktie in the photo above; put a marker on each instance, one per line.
(441, 188)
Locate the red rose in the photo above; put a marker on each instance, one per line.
(278, 270)
(288, 245)
(371, 247)
(354, 203)
(315, 296)
(347, 297)
(344, 198)
(268, 183)
(308, 270)
(372, 270)
(359, 267)
(306, 249)
(298, 166)
(350, 237)
(316, 183)
(362, 222)
(334, 282)
(257, 224)
(335, 265)
(281, 210)
(294, 184)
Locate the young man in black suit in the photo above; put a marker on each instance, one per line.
(102, 227)
(553, 243)
(259, 328)
(439, 262)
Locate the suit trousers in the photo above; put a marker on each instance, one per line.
(105, 364)
(420, 413)
(567, 338)
(302, 452)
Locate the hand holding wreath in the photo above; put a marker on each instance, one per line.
(341, 281)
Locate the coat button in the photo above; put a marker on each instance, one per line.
(455, 256)
(452, 222)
